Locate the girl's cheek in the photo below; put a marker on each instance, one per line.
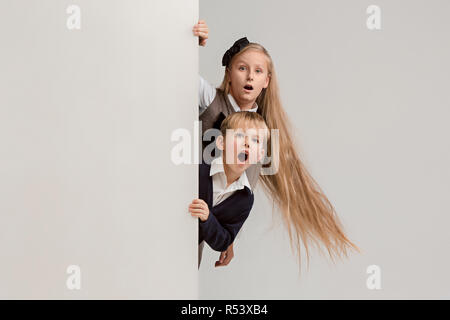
(252, 154)
(231, 145)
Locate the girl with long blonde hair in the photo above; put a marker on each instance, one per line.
(250, 84)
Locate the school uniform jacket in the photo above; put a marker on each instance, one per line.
(226, 218)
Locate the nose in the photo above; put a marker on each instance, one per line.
(246, 144)
(250, 75)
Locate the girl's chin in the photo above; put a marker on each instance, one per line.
(240, 166)
(247, 96)
(240, 162)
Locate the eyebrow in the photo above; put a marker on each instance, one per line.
(257, 135)
(242, 61)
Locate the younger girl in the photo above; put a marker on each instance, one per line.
(250, 83)
(225, 195)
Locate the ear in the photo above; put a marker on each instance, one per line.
(219, 142)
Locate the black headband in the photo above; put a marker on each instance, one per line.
(237, 47)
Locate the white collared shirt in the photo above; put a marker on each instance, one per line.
(207, 93)
(220, 190)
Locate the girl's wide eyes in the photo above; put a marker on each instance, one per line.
(241, 135)
(242, 68)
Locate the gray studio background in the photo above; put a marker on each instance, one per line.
(370, 111)
(86, 119)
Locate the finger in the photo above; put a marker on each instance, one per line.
(196, 215)
(200, 35)
(196, 203)
(200, 29)
(197, 211)
(197, 207)
(199, 204)
(202, 204)
(227, 259)
(203, 35)
(199, 216)
(219, 264)
(222, 256)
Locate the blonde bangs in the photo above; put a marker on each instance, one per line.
(245, 120)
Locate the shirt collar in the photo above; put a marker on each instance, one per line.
(236, 107)
(217, 167)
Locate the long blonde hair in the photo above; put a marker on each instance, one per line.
(306, 212)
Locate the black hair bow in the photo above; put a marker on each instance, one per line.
(237, 47)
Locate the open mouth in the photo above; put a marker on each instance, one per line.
(243, 156)
(248, 87)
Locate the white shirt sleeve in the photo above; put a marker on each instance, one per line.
(206, 94)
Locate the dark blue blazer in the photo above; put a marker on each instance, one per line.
(225, 219)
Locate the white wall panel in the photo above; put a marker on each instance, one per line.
(86, 177)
